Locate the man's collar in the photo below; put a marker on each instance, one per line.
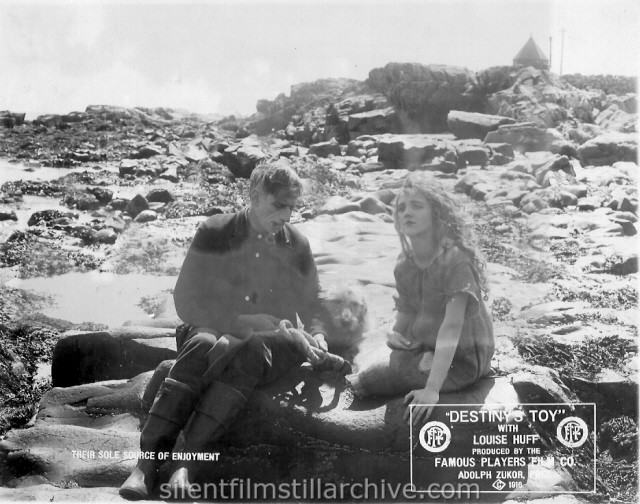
(243, 230)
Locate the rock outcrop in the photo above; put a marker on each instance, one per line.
(474, 125)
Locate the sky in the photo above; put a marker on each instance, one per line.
(222, 57)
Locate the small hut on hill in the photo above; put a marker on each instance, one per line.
(531, 55)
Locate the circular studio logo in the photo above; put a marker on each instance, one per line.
(435, 436)
(572, 432)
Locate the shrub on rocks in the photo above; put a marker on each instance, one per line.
(48, 216)
(102, 194)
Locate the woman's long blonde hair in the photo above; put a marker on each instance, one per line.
(447, 219)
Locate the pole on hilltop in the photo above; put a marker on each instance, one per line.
(562, 51)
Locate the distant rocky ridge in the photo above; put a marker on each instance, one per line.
(415, 98)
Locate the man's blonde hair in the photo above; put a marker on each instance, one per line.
(273, 178)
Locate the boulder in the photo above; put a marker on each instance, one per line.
(556, 163)
(610, 390)
(325, 149)
(474, 125)
(374, 122)
(615, 119)
(371, 166)
(8, 215)
(196, 153)
(404, 151)
(426, 93)
(127, 167)
(541, 97)
(121, 352)
(502, 148)
(49, 120)
(107, 235)
(10, 119)
(480, 191)
(472, 155)
(609, 148)
(242, 159)
(170, 173)
(146, 216)
(48, 216)
(523, 137)
(136, 205)
(534, 202)
(102, 194)
(159, 195)
(148, 151)
(466, 183)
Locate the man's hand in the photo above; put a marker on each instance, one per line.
(399, 342)
(304, 342)
(245, 325)
(322, 343)
(420, 413)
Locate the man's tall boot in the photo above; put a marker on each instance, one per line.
(169, 413)
(214, 414)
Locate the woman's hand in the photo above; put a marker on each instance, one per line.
(420, 413)
(399, 342)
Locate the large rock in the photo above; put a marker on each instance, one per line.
(136, 205)
(242, 159)
(425, 92)
(474, 125)
(541, 97)
(10, 119)
(404, 151)
(523, 137)
(374, 122)
(557, 163)
(325, 149)
(608, 148)
(613, 118)
(85, 357)
(300, 409)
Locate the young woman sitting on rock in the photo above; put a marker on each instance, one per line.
(442, 339)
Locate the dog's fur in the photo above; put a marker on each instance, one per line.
(344, 318)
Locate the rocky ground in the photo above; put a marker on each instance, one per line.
(547, 174)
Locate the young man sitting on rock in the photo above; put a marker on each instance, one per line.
(245, 275)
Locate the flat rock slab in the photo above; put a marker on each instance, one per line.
(83, 433)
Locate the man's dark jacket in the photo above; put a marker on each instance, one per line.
(232, 270)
